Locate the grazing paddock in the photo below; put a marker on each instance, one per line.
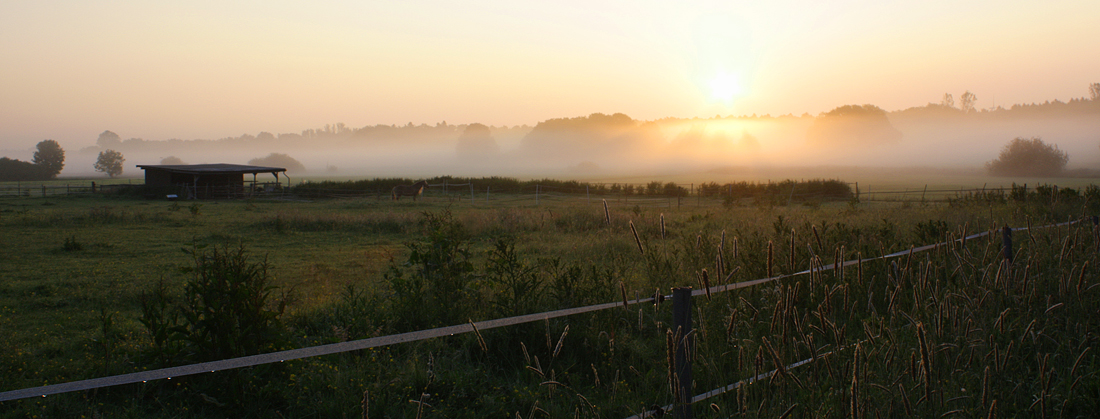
(949, 329)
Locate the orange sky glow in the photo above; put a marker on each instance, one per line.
(211, 69)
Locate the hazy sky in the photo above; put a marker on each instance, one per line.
(210, 69)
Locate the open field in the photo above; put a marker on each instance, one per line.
(942, 331)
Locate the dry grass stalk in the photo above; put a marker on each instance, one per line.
(622, 290)
(1081, 278)
(836, 263)
(670, 359)
(638, 241)
(480, 340)
(1073, 371)
(735, 248)
(817, 238)
(606, 213)
(769, 259)
(791, 263)
(662, 227)
(420, 405)
(854, 393)
(788, 412)
(925, 360)
(985, 386)
(905, 400)
(365, 404)
(706, 283)
(561, 340)
(859, 268)
(719, 265)
(992, 410)
(732, 321)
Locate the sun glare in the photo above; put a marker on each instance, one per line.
(725, 87)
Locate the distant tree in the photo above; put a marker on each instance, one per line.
(1028, 157)
(476, 141)
(948, 101)
(1094, 91)
(50, 157)
(853, 125)
(968, 101)
(109, 162)
(172, 160)
(279, 160)
(108, 140)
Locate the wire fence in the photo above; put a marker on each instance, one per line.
(282, 356)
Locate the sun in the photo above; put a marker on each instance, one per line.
(725, 87)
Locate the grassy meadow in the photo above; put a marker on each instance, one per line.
(97, 285)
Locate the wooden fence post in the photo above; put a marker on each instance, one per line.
(1007, 243)
(681, 321)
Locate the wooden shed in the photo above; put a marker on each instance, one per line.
(211, 181)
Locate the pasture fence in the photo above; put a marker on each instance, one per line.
(673, 195)
(681, 298)
(46, 190)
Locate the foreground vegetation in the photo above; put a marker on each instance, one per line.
(96, 285)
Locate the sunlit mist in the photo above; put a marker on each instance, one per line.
(725, 87)
(499, 87)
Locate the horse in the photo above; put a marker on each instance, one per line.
(413, 190)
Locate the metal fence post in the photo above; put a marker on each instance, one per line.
(681, 321)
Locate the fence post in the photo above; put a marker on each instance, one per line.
(487, 194)
(1007, 243)
(536, 194)
(587, 194)
(681, 321)
(43, 191)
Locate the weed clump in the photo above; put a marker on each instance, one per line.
(227, 309)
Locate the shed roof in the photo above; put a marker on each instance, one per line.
(207, 169)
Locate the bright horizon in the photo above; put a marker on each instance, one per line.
(208, 70)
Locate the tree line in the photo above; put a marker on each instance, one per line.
(49, 159)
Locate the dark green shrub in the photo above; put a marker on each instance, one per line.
(227, 309)
(515, 283)
(433, 286)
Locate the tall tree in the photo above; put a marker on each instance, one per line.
(109, 162)
(50, 157)
(108, 140)
(948, 101)
(967, 101)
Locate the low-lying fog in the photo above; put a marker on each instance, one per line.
(599, 145)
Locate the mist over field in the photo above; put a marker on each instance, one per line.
(933, 137)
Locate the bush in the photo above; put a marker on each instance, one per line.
(17, 170)
(433, 287)
(279, 160)
(1029, 157)
(227, 309)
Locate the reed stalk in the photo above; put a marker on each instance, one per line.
(638, 241)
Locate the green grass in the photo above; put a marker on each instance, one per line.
(72, 312)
